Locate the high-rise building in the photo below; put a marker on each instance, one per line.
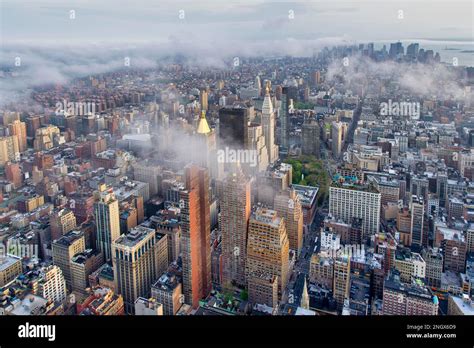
(196, 235)
(107, 220)
(342, 273)
(18, 128)
(267, 248)
(10, 268)
(338, 130)
(288, 206)
(417, 219)
(82, 265)
(9, 149)
(51, 284)
(61, 222)
(168, 291)
(64, 248)
(310, 138)
(289, 94)
(139, 257)
(434, 266)
(149, 173)
(206, 153)
(257, 144)
(347, 202)
(235, 214)
(233, 123)
(268, 124)
(13, 173)
(407, 299)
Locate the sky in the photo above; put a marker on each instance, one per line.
(217, 21)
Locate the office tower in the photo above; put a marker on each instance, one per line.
(45, 137)
(342, 272)
(289, 94)
(268, 124)
(338, 130)
(267, 248)
(18, 128)
(168, 291)
(274, 181)
(9, 149)
(138, 259)
(64, 248)
(417, 219)
(107, 220)
(434, 266)
(206, 153)
(234, 218)
(346, 202)
(310, 138)
(166, 222)
(61, 221)
(82, 265)
(407, 299)
(288, 206)
(233, 123)
(203, 100)
(10, 268)
(148, 306)
(453, 244)
(263, 289)
(51, 284)
(82, 204)
(321, 269)
(196, 235)
(396, 50)
(412, 50)
(150, 173)
(13, 174)
(257, 144)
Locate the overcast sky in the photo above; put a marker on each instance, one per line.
(217, 21)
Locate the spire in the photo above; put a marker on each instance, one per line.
(203, 127)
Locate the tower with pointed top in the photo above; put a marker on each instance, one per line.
(268, 123)
(207, 146)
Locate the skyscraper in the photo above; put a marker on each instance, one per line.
(64, 248)
(196, 235)
(417, 220)
(268, 123)
(310, 138)
(267, 248)
(139, 258)
(342, 272)
(289, 94)
(288, 206)
(107, 220)
(206, 154)
(338, 130)
(349, 201)
(233, 122)
(235, 214)
(18, 128)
